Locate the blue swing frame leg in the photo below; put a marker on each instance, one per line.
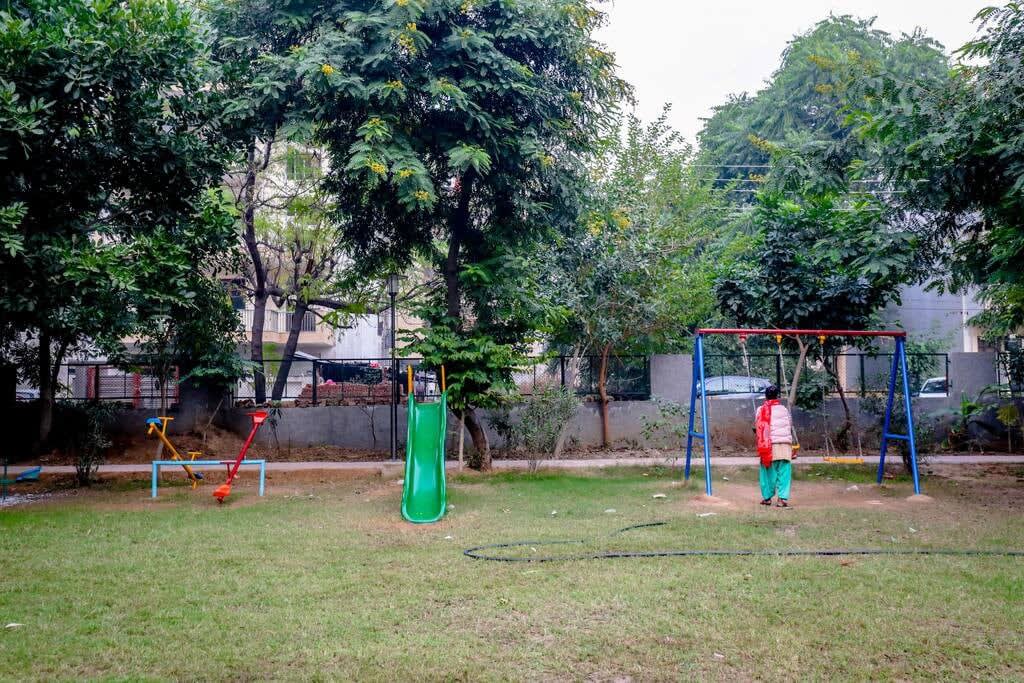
(899, 365)
(704, 434)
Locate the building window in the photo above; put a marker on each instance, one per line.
(301, 165)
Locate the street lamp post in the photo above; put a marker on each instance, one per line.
(392, 293)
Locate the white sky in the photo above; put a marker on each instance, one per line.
(694, 53)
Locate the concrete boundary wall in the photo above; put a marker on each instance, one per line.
(367, 427)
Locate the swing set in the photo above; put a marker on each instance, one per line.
(899, 367)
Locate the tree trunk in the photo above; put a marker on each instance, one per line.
(791, 401)
(259, 312)
(259, 270)
(843, 435)
(294, 329)
(571, 372)
(462, 437)
(453, 310)
(46, 393)
(459, 224)
(49, 372)
(8, 385)
(602, 391)
(479, 436)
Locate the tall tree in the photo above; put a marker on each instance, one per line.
(258, 48)
(308, 268)
(636, 273)
(460, 129)
(821, 262)
(108, 144)
(954, 148)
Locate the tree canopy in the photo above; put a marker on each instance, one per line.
(954, 149)
(109, 147)
(804, 101)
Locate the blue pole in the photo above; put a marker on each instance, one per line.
(704, 422)
(888, 411)
(156, 475)
(694, 378)
(263, 475)
(902, 351)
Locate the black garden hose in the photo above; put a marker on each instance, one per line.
(479, 552)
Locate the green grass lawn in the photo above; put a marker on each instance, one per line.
(323, 580)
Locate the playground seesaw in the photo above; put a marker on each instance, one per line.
(158, 426)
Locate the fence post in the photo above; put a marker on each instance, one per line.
(315, 394)
(946, 356)
(561, 362)
(96, 382)
(778, 370)
(863, 388)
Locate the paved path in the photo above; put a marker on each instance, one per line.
(722, 461)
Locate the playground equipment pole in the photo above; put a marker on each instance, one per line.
(392, 293)
(899, 367)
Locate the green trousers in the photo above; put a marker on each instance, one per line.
(776, 479)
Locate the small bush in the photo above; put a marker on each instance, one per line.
(672, 423)
(536, 426)
(80, 430)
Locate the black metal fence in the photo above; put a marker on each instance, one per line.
(369, 380)
(136, 387)
(1010, 372)
(860, 374)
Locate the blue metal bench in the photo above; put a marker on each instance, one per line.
(157, 464)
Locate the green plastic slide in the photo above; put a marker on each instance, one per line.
(423, 498)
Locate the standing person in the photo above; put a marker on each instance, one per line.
(774, 426)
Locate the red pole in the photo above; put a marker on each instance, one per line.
(814, 333)
(257, 420)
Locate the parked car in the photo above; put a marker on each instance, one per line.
(934, 387)
(357, 372)
(736, 386)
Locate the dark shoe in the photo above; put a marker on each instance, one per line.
(767, 501)
(783, 503)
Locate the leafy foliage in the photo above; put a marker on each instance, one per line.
(109, 144)
(636, 274)
(803, 105)
(82, 433)
(459, 132)
(953, 147)
(538, 424)
(819, 264)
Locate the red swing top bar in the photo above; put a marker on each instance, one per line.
(815, 333)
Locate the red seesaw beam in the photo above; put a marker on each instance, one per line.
(815, 333)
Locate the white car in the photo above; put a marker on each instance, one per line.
(934, 387)
(736, 386)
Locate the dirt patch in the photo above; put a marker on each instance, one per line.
(805, 494)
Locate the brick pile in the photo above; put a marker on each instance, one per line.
(345, 394)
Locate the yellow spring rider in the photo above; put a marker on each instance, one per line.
(158, 426)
